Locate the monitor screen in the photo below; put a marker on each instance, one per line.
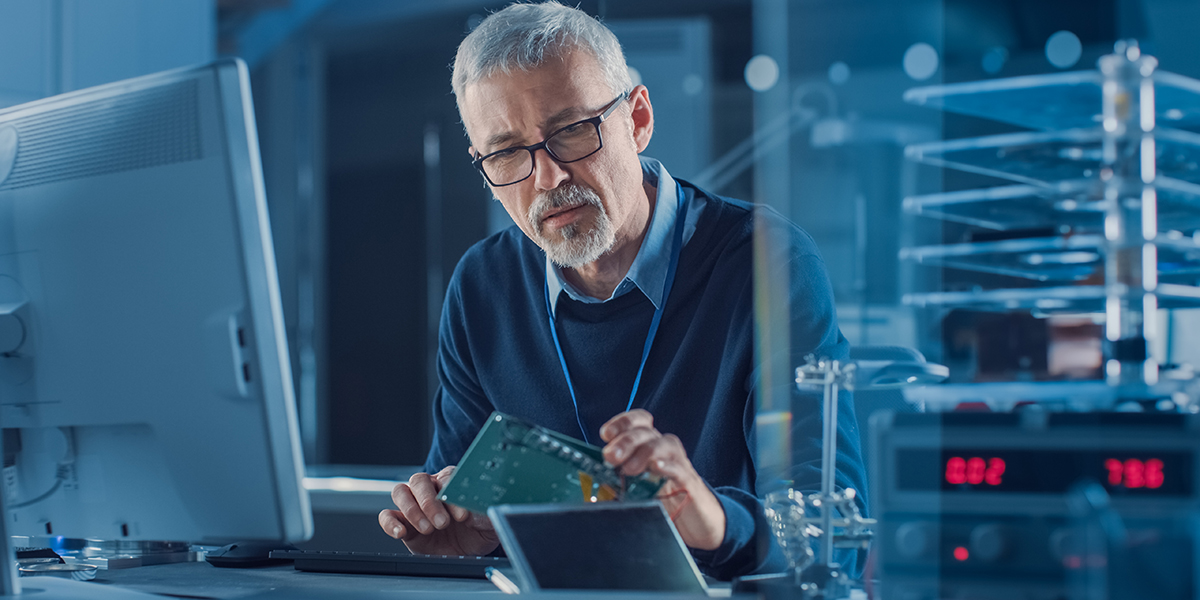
(145, 390)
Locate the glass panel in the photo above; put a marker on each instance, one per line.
(1068, 299)
(1074, 204)
(1073, 258)
(1056, 101)
(1046, 158)
(1005, 395)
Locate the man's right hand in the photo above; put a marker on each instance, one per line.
(428, 526)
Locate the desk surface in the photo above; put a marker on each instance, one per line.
(202, 580)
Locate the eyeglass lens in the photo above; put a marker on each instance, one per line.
(569, 144)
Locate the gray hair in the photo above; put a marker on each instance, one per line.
(524, 36)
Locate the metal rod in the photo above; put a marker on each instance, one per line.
(829, 461)
(1130, 219)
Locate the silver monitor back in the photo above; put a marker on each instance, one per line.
(150, 382)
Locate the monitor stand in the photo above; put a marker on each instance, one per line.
(11, 584)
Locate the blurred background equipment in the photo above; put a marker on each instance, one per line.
(987, 505)
(1032, 502)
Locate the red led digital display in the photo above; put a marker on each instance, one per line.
(1134, 473)
(992, 470)
(1130, 474)
(975, 470)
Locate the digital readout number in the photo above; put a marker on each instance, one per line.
(974, 470)
(1131, 473)
(1134, 473)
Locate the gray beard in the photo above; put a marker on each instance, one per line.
(577, 246)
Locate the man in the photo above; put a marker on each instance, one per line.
(619, 310)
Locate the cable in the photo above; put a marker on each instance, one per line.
(61, 472)
(686, 498)
(58, 481)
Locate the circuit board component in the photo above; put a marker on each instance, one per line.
(513, 461)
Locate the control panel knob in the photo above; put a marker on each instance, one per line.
(916, 540)
(989, 542)
(1063, 543)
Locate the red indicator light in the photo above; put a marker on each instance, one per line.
(975, 469)
(994, 471)
(961, 554)
(1154, 473)
(1116, 471)
(956, 470)
(1134, 474)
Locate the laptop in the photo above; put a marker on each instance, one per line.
(627, 546)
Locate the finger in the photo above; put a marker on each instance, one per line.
(443, 476)
(457, 513)
(479, 522)
(664, 456)
(392, 522)
(406, 501)
(625, 421)
(623, 446)
(425, 491)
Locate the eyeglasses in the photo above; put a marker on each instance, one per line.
(569, 144)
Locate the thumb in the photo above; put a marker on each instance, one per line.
(480, 522)
(443, 476)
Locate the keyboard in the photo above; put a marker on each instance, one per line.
(388, 563)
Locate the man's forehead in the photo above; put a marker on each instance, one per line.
(522, 101)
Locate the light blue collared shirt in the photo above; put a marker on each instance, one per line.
(648, 272)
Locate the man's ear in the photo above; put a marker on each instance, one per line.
(471, 150)
(642, 113)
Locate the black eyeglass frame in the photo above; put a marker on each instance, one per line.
(594, 121)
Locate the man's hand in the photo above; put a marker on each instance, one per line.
(635, 446)
(428, 526)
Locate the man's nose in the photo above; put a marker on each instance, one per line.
(547, 172)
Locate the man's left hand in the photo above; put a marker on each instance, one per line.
(635, 446)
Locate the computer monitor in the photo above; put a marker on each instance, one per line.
(145, 389)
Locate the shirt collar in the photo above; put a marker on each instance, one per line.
(649, 269)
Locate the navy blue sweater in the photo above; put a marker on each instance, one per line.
(496, 353)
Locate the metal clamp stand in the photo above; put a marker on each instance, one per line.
(788, 510)
(825, 579)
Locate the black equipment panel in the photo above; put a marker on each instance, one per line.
(990, 505)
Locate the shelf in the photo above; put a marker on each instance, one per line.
(1070, 258)
(1044, 158)
(1057, 100)
(1003, 396)
(1064, 299)
(1075, 204)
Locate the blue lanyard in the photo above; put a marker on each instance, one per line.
(676, 247)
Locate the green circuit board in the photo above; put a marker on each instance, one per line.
(512, 461)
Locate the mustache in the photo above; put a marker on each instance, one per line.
(566, 196)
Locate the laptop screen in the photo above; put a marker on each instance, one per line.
(611, 546)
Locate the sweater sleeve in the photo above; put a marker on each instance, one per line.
(460, 406)
(748, 547)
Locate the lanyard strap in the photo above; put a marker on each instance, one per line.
(676, 247)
